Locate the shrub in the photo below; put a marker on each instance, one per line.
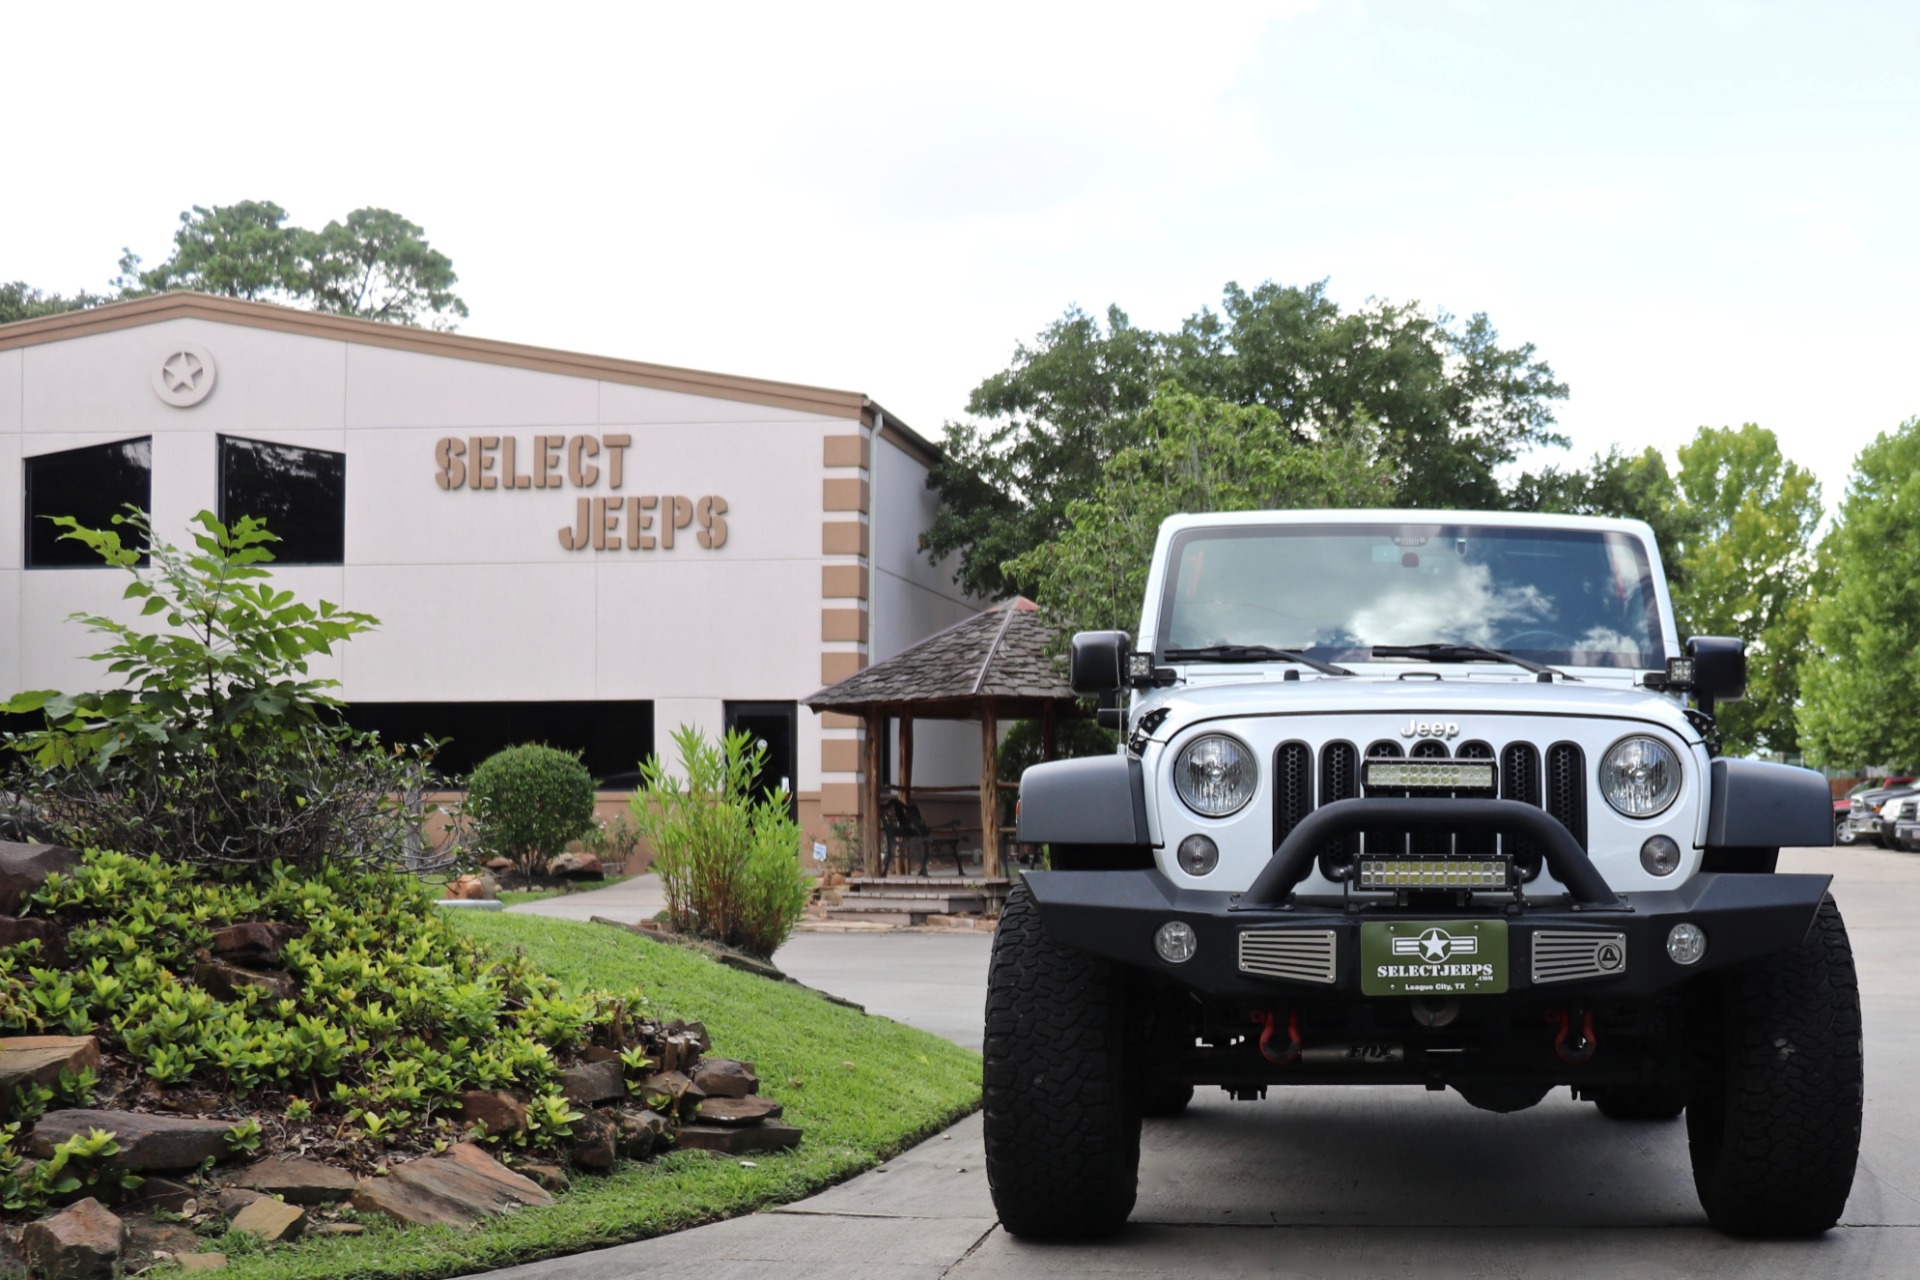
(393, 1010)
(527, 802)
(728, 861)
(1072, 738)
(218, 748)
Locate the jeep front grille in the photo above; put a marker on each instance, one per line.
(1567, 957)
(1554, 779)
(1298, 955)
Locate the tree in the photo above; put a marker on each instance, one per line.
(1205, 454)
(1449, 406)
(21, 301)
(1859, 701)
(1746, 519)
(243, 250)
(378, 266)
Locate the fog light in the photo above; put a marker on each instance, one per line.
(1175, 942)
(1660, 856)
(1198, 855)
(1686, 943)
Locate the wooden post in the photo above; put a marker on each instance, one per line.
(906, 755)
(874, 743)
(1049, 739)
(989, 793)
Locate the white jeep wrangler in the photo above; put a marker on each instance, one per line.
(1419, 798)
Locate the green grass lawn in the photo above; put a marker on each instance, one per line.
(863, 1089)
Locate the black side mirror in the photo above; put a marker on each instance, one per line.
(1098, 661)
(1719, 669)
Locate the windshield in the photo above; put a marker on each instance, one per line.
(1570, 597)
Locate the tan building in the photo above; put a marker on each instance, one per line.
(560, 547)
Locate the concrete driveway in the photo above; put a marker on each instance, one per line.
(1348, 1181)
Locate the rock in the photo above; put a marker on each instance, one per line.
(81, 1241)
(577, 866)
(640, 1132)
(337, 1229)
(600, 1053)
(25, 867)
(146, 1239)
(670, 1092)
(497, 1109)
(734, 1141)
(593, 1082)
(458, 1188)
(550, 1176)
(41, 1059)
(499, 866)
(15, 930)
(264, 939)
(165, 1194)
(698, 1030)
(750, 1110)
(480, 887)
(146, 1141)
(194, 1264)
(232, 1200)
(595, 1141)
(726, 1078)
(271, 1220)
(297, 1181)
(679, 1051)
(224, 981)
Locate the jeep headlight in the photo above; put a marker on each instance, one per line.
(1640, 776)
(1215, 775)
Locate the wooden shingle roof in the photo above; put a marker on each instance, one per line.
(998, 655)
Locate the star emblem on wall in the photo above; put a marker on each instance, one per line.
(184, 376)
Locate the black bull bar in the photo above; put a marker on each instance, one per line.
(1295, 857)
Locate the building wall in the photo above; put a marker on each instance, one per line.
(478, 598)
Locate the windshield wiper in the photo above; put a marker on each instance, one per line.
(1466, 653)
(1252, 653)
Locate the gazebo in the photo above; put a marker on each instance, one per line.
(992, 667)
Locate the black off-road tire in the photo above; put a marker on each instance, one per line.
(1165, 1101)
(1775, 1139)
(1640, 1101)
(1062, 1129)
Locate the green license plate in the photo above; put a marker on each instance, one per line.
(1433, 958)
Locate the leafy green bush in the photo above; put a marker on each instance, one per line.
(395, 1011)
(1022, 747)
(729, 862)
(218, 748)
(526, 802)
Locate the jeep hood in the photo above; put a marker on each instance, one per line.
(1419, 697)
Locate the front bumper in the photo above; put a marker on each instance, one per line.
(1116, 913)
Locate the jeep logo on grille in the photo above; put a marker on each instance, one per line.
(1447, 729)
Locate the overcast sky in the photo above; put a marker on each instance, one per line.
(1700, 213)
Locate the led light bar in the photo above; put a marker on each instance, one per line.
(1433, 873)
(1449, 775)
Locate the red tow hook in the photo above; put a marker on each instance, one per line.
(1267, 1027)
(1573, 1044)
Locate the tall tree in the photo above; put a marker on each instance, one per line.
(374, 264)
(1747, 517)
(1205, 454)
(379, 266)
(1861, 679)
(1449, 405)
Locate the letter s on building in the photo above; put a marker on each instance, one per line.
(713, 528)
(449, 455)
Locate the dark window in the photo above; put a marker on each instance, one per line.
(300, 493)
(93, 485)
(611, 737)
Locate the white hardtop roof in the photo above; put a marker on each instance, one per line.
(1402, 515)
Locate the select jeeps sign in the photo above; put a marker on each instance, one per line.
(1433, 958)
(607, 522)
